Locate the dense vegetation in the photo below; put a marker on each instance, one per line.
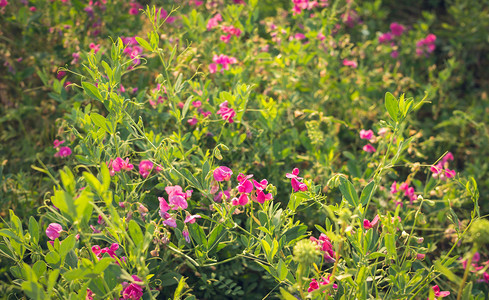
(233, 149)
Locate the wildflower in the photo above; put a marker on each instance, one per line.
(89, 295)
(135, 7)
(242, 200)
(222, 60)
(53, 231)
(426, 46)
(193, 121)
(367, 224)
(197, 104)
(394, 187)
(170, 222)
(191, 218)
(145, 167)
(315, 286)
(132, 291)
(219, 196)
(420, 256)
(394, 54)
(350, 63)
(3, 3)
(57, 143)
(438, 293)
(94, 47)
(366, 134)
(397, 29)
(110, 251)
(324, 244)
(186, 235)
(63, 152)
(177, 198)
(369, 148)
(226, 112)
(119, 164)
(222, 173)
(294, 181)
(385, 38)
(214, 21)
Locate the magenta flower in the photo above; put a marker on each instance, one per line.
(369, 148)
(397, 29)
(177, 198)
(226, 112)
(366, 134)
(242, 200)
(57, 143)
(385, 38)
(218, 197)
(191, 218)
(135, 7)
(110, 251)
(132, 291)
(186, 235)
(367, 224)
(214, 21)
(145, 167)
(53, 231)
(294, 174)
(324, 244)
(350, 63)
(426, 46)
(63, 152)
(3, 3)
(394, 187)
(170, 222)
(222, 173)
(438, 293)
(294, 181)
(89, 295)
(261, 197)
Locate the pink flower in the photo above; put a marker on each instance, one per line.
(242, 200)
(212, 68)
(367, 224)
(214, 21)
(177, 198)
(438, 293)
(420, 256)
(135, 7)
(394, 54)
(324, 244)
(297, 185)
(366, 134)
(191, 218)
(186, 235)
(94, 47)
(226, 112)
(170, 222)
(193, 121)
(132, 291)
(394, 187)
(294, 174)
(397, 29)
(261, 197)
(350, 63)
(426, 46)
(53, 230)
(57, 143)
(32, 8)
(197, 104)
(110, 251)
(119, 164)
(3, 3)
(63, 152)
(89, 295)
(222, 173)
(145, 167)
(369, 148)
(219, 196)
(385, 38)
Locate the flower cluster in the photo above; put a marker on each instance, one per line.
(367, 224)
(109, 250)
(350, 63)
(324, 244)
(214, 21)
(441, 169)
(396, 30)
(62, 151)
(408, 191)
(133, 50)
(438, 293)
(135, 7)
(294, 181)
(177, 201)
(251, 189)
(132, 291)
(156, 98)
(145, 167)
(222, 60)
(426, 46)
(118, 165)
(476, 267)
(229, 32)
(368, 135)
(314, 285)
(226, 112)
(300, 5)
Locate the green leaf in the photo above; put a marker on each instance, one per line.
(33, 290)
(136, 233)
(52, 258)
(66, 245)
(9, 233)
(39, 268)
(104, 170)
(34, 230)
(392, 106)
(447, 272)
(197, 233)
(286, 295)
(16, 223)
(296, 199)
(93, 182)
(367, 193)
(186, 106)
(100, 121)
(143, 43)
(390, 244)
(282, 270)
(91, 90)
(348, 191)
